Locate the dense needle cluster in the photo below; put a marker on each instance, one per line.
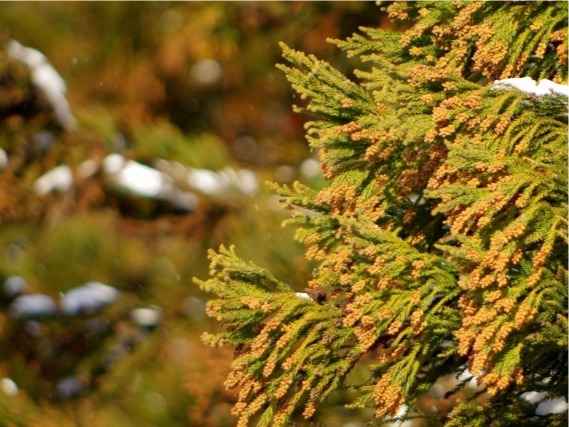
(440, 242)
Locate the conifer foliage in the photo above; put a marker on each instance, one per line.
(440, 241)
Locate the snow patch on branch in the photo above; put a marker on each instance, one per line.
(88, 299)
(533, 396)
(552, 406)
(141, 180)
(33, 306)
(3, 159)
(146, 317)
(556, 405)
(303, 296)
(135, 177)
(56, 179)
(171, 182)
(402, 412)
(46, 79)
(8, 386)
(222, 186)
(530, 86)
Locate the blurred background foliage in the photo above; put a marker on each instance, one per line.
(186, 97)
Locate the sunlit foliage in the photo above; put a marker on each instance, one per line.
(440, 241)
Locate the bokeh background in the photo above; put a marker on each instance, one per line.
(133, 137)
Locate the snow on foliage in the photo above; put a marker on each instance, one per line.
(530, 86)
(88, 299)
(56, 179)
(46, 79)
(33, 306)
(141, 180)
